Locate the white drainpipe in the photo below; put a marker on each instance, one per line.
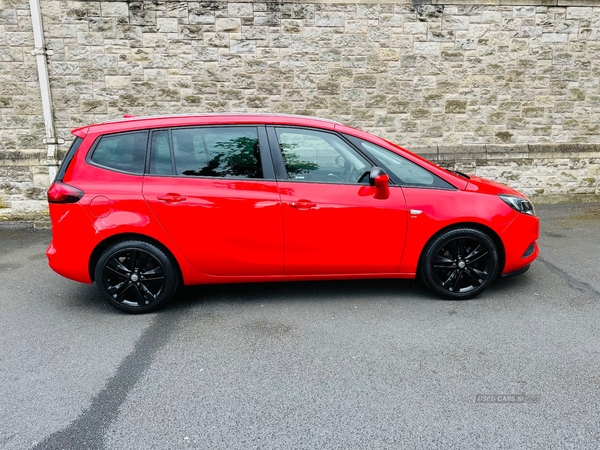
(40, 54)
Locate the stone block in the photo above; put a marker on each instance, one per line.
(450, 22)
(415, 28)
(441, 35)
(240, 9)
(143, 17)
(201, 17)
(524, 11)
(109, 9)
(280, 40)
(391, 20)
(216, 39)
(266, 19)
(567, 26)
(455, 107)
(427, 48)
(154, 40)
(329, 19)
(167, 25)
(117, 82)
(27, 206)
(574, 12)
(228, 25)
(242, 46)
(291, 26)
(491, 17)
(555, 38)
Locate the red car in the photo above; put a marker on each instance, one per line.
(141, 206)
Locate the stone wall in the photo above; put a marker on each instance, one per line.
(23, 179)
(510, 92)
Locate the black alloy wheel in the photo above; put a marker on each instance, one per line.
(136, 277)
(460, 263)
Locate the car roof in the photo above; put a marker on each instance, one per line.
(130, 122)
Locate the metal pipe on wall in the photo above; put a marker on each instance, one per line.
(40, 53)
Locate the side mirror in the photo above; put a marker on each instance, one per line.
(380, 180)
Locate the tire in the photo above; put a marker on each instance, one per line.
(459, 264)
(136, 277)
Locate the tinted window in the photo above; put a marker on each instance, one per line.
(124, 151)
(408, 173)
(68, 158)
(160, 153)
(231, 152)
(322, 157)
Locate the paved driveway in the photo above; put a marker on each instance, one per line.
(366, 364)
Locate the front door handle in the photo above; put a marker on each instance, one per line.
(171, 198)
(303, 204)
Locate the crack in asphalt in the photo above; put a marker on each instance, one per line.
(87, 431)
(573, 282)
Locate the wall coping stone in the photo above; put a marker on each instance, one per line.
(509, 152)
(563, 3)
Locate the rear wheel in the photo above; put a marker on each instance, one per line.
(460, 263)
(136, 277)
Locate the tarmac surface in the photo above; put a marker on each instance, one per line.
(360, 364)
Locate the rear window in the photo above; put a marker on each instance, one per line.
(125, 152)
(68, 158)
(224, 152)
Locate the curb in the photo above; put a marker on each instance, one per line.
(42, 225)
(24, 224)
(17, 225)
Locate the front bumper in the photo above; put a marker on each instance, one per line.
(520, 243)
(521, 271)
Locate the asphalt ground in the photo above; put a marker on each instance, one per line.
(356, 365)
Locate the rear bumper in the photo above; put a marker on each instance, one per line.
(520, 244)
(73, 240)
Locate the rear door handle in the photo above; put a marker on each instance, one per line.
(171, 198)
(303, 204)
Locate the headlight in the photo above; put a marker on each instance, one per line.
(518, 204)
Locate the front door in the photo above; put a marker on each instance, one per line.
(332, 223)
(213, 191)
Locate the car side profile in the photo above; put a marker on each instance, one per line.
(143, 205)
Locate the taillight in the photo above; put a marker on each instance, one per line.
(63, 193)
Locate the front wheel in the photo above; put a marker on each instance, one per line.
(460, 263)
(136, 277)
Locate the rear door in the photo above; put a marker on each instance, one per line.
(213, 190)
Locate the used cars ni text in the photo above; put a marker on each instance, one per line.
(143, 205)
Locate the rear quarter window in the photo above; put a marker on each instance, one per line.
(68, 158)
(125, 152)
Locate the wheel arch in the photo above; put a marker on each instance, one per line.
(475, 225)
(111, 240)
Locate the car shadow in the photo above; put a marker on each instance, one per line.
(328, 290)
(190, 297)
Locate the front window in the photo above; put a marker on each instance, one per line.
(321, 157)
(407, 172)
